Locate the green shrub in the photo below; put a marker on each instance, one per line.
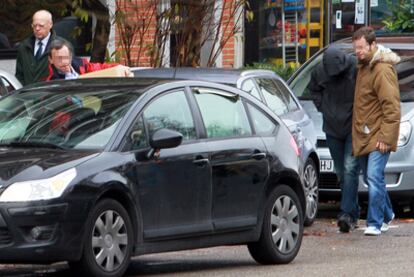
(284, 71)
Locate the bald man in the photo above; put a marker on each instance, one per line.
(33, 52)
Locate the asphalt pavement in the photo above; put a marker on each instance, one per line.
(324, 252)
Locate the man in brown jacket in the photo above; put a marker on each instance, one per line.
(375, 122)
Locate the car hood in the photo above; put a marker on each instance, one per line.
(23, 164)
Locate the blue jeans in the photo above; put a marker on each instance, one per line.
(379, 203)
(347, 171)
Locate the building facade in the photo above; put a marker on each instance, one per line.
(271, 31)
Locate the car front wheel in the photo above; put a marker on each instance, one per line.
(282, 229)
(108, 246)
(311, 187)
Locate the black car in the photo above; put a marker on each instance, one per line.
(94, 171)
(269, 88)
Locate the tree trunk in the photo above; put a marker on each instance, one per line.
(102, 29)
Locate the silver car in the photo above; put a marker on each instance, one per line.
(400, 168)
(274, 92)
(8, 83)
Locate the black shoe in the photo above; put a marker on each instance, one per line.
(345, 223)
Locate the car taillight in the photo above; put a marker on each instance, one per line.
(294, 145)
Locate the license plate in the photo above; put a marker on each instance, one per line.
(327, 165)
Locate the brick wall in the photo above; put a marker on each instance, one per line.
(228, 50)
(138, 11)
(140, 14)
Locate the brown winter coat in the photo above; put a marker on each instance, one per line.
(376, 115)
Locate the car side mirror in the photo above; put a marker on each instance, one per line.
(165, 138)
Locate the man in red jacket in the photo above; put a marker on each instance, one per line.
(63, 65)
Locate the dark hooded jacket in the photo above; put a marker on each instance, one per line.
(332, 86)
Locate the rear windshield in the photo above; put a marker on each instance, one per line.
(81, 120)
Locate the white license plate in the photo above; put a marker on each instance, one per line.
(327, 165)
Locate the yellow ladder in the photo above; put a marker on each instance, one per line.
(314, 41)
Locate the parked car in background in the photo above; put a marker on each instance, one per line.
(269, 88)
(94, 171)
(8, 83)
(399, 171)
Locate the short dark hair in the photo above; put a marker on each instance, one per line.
(58, 43)
(365, 32)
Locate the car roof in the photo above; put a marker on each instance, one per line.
(116, 83)
(218, 75)
(11, 78)
(124, 84)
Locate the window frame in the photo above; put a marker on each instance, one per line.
(219, 91)
(249, 104)
(124, 145)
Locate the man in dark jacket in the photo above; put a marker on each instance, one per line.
(63, 65)
(332, 87)
(32, 54)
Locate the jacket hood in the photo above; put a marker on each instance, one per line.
(384, 55)
(335, 61)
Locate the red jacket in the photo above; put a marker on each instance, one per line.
(81, 66)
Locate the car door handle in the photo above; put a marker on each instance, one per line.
(201, 161)
(258, 156)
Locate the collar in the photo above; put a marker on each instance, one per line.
(44, 41)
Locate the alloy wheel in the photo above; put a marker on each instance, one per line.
(311, 190)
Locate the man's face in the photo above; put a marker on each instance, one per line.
(61, 59)
(362, 48)
(41, 25)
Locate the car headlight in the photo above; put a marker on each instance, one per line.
(38, 189)
(405, 133)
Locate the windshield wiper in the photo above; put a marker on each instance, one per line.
(33, 144)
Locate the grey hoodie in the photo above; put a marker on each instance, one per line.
(332, 86)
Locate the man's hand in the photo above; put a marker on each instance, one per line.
(383, 147)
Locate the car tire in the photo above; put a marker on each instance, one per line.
(108, 242)
(282, 229)
(311, 187)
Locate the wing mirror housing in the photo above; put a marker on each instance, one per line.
(165, 138)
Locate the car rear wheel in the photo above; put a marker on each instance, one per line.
(109, 239)
(311, 192)
(282, 228)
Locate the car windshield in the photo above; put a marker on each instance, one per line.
(81, 120)
(405, 70)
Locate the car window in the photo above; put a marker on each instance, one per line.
(405, 71)
(3, 87)
(263, 125)
(137, 138)
(250, 87)
(170, 111)
(300, 84)
(288, 95)
(79, 120)
(223, 114)
(276, 100)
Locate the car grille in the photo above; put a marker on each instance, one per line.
(5, 237)
(321, 143)
(328, 181)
